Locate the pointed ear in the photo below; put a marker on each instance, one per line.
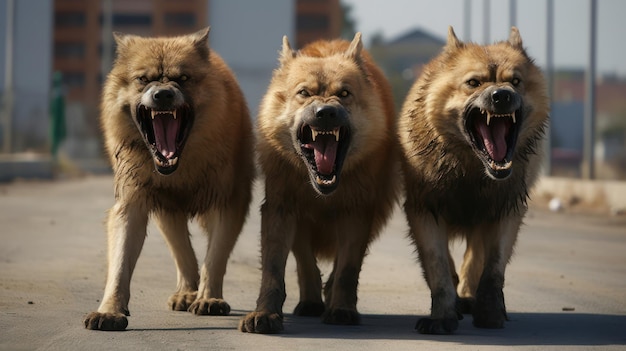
(515, 39)
(122, 40)
(453, 42)
(354, 50)
(287, 52)
(201, 36)
(200, 41)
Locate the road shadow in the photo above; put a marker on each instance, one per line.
(556, 329)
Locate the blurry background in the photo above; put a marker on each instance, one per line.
(55, 54)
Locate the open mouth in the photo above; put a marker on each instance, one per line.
(324, 151)
(494, 137)
(165, 133)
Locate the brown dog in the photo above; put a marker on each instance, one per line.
(180, 140)
(471, 130)
(328, 150)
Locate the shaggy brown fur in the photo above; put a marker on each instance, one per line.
(471, 130)
(180, 141)
(328, 150)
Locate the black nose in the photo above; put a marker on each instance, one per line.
(501, 97)
(326, 117)
(163, 96)
(326, 113)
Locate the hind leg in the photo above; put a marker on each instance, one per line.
(309, 277)
(353, 237)
(222, 229)
(431, 238)
(126, 229)
(174, 228)
(489, 310)
(471, 269)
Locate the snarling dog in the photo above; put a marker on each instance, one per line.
(328, 151)
(180, 140)
(471, 132)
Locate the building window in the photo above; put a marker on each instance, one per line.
(307, 22)
(69, 50)
(180, 19)
(74, 79)
(69, 19)
(130, 20)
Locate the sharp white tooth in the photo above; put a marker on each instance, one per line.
(321, 181)
(513, 116)
(153, 113)
(488, 117)
(336, 133)
(174, 113)
(313, 134)
(173, 161)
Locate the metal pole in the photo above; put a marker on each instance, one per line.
(588, 171)
(547, 160)
(487, 22)
(467, 20)
(8, 79)
(513, 13)
(107, 38)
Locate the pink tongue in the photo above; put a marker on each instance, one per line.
(325, 150)
(494, 138)
(165, 131)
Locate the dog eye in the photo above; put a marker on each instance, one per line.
(303, 92)
(344, 93)
(143, 79)
(473, 83)
(516, 81)
(183, 78)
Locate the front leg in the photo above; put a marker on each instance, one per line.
(126, 229)
(277, 234)
(489, 309)
(431, 238)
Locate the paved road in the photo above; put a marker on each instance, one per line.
(565, 289)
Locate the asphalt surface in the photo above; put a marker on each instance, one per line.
(565, 287)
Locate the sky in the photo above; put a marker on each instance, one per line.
(392, 18)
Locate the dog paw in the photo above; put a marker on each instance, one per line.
(262, 323)
(309, 309)
(213, 307)
(181, 301)
(489, 310)
(341, 316)
(489, 317)
(437, 326)
(105, 321)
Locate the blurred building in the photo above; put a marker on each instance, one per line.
(317, 19)
(79, 40)
(402, 58)
(247, 34)
(25, 75)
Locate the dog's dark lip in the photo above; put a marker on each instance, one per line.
(181, 117)
(501, 168)
(324, 182)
